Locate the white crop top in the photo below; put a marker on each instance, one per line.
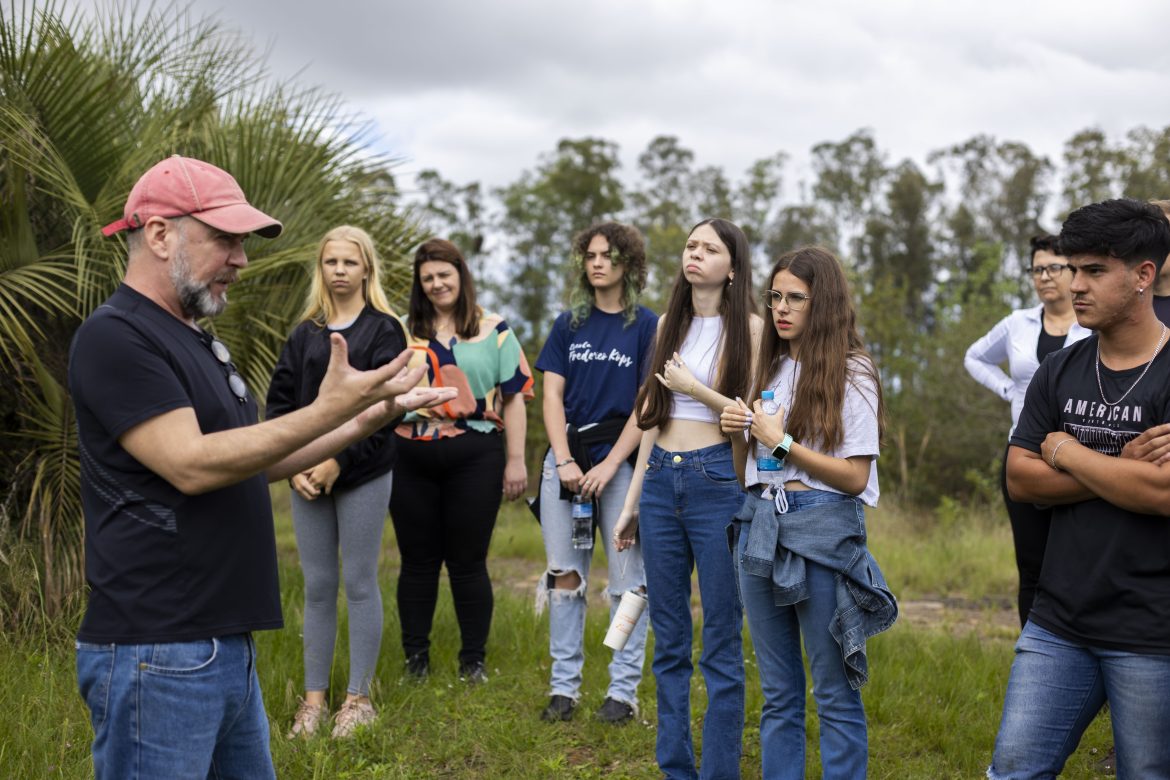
(700, 351)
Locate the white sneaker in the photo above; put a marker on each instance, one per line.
(307, 719)
(352, 715)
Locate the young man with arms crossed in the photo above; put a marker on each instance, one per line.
(1092, 441)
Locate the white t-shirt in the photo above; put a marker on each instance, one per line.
(700, 351)
(858, 417)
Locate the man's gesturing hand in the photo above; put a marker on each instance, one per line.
(348, 390)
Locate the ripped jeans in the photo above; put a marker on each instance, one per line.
(566, 635)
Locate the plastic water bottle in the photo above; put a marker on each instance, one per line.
(766, 465)
(582, 522)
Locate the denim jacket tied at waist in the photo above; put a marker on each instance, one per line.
(832, 535)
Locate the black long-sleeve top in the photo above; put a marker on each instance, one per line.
(374, 339)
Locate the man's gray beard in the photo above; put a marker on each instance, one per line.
(195, 298)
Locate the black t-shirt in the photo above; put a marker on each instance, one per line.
(1046, 344)
(1162, 308)
(372, 340)
(1106, 575)
(163, 566)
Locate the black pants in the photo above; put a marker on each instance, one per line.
(1030, 536)
(446, 496)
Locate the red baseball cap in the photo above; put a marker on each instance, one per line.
(183, 186)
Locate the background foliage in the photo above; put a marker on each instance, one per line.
(935, 248)
(86, 105)
(936, 252)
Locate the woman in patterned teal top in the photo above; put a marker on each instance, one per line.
(457, 459)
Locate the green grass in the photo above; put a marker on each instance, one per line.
(933, 701)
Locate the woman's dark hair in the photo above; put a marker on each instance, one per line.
(1043, 243)
(831, 350)
(422, 311)
(733, 374)
(628, 250)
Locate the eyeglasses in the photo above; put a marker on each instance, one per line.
(234, 380)
(1054, 270)
(796, 301)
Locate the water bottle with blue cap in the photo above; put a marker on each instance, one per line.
(766, 464)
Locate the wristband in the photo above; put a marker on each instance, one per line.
(780, 451)
(1056, 449)
(567, 461)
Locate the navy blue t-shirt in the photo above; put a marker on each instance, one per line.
(603, 361)
(163, 566)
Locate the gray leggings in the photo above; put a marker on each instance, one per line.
(350, 520)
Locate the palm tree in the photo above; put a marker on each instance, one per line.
(87, 103)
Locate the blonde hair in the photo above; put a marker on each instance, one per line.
(319, 302)
(1162, 204)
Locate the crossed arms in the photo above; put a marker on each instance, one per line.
(1138, 480)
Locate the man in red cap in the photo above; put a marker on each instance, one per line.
(180, 551)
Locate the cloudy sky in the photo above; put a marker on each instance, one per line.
(478, 89)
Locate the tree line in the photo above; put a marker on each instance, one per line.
(936, 253)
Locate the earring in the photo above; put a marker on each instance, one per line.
(1141, 291)
(730, 281)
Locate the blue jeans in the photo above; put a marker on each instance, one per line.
(688, 500)
(1056, 688)
(175, 710)
(776, 632)
(566, 625)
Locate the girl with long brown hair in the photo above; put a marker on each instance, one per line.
(801, 560)
(684, 491)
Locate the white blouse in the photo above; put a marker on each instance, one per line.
(1014, 339)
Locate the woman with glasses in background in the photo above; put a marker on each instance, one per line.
(1023, 339)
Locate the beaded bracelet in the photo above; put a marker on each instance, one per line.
(566, 462)
(1056, 449)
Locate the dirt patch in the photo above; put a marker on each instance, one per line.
(989, 618)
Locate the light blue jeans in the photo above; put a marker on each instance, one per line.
(566, 634)
(776, 634)
(176, 710)
(1056, 688)
(688, 500)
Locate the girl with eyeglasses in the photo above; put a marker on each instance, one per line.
(803, 568)
(1023, 339)
(339, 506)
(684, 492)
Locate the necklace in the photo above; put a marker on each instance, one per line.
(1101, 389)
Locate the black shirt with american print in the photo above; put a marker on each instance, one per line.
(1106, 575)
